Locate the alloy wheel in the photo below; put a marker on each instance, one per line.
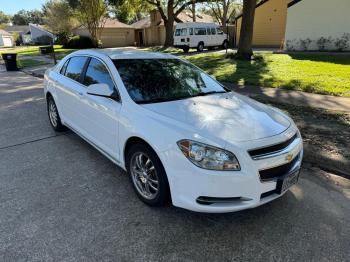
(53, 113)
(144, 176)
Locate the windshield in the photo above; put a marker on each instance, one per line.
(160, 80)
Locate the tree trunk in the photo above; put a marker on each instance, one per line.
(194, 11)
(245, 50)
(169, 25)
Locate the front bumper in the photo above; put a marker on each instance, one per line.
(210, 191)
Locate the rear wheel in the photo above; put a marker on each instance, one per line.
(147, 175)
(186, 49)
(54, 116)
(200, 47)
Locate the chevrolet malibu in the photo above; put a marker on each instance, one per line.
(180, 135)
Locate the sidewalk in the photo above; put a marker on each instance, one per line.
(297, 98)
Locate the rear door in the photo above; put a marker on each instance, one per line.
(70, 91)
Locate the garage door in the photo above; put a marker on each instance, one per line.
(7, 41)
(110, 39)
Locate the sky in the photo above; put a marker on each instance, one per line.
(11, 7)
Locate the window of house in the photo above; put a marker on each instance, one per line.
(75, 67)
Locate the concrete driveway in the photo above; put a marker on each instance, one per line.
(61, 200)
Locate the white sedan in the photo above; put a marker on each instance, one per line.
(179, 134)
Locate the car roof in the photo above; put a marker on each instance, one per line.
(116, 54)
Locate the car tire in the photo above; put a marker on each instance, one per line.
(147, 175)
(54, 116)
(224, 44)
(200, 47)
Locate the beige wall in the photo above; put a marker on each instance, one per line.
(312, 19)
(269, 23)
(113, 37)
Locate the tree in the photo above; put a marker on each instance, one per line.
(223, 10)
(53, 11)
(24, 17)
(92, 14)
(169, 11)
(4, 18)
(129, 11)
(245, 50)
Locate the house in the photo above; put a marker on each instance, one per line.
(5, 39)
(39, 35)
(318, 25)
(113, 34)
(22, 31)
(269, 23)
(31, 33)
(150, 31)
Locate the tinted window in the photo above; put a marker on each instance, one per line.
(181, 32)
(97, 73)
(213, 31)
(208, 31)
(64, 67)
(191, 31)
(200, 31)
(159, 80)
(75, 67)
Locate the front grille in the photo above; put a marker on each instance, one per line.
(255, 153)
(279, 171)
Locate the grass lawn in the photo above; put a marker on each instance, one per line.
(313, 73)
(30, 63)
(34, 50)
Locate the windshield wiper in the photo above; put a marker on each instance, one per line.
(210, 93)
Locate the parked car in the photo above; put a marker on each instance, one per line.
(179, 134)
(199, 36)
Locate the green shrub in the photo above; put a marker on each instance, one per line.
(79, 42)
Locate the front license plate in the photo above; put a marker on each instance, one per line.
(288, 181)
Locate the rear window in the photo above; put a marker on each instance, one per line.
(200, 31)
(75, 67)
(181, 32)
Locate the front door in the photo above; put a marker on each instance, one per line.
(101, 114)
(140, 38)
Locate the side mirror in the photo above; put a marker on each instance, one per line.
(101, 90)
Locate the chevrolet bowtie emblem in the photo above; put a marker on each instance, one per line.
(289, 157)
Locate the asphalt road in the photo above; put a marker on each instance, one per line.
(61, 200)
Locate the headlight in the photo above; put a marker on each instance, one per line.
(209, 157)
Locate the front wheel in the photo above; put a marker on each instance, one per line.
(225, 44)
(147, 175)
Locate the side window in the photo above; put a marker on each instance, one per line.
(64, 67)
(75, 67)
(200, 31)
(213, 31)
(191, 31)
(220, 32)
(97, 73)
(208, 31)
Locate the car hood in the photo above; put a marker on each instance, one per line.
(228, 116)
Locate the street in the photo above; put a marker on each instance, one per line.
(61, 200)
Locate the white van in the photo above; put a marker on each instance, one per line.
(199, 35)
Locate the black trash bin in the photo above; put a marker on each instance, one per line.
(10, 61)
(46, 49)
